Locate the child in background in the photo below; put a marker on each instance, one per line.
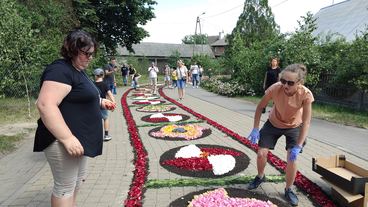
(104, 92)
(174, 78)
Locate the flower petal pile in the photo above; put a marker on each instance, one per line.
(220, 198)
(156, 108)
(165, 117)
(186, 131)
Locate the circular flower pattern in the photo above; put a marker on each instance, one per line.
(227, 197)
(165, 117)
(156, 108)
(208, 161)
(141, 94)
(148, 102)
(146, 97)
(180, 132)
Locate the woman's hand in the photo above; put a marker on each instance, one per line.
(73, 146)
(107, 104)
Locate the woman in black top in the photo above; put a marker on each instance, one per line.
(272, 75)
(70, 127)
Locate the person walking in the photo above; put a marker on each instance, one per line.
(271, 76)
(104, 92)
(194, 71)
(182, 74)
(152, 74)
(70, 126)
(290, 116)
(125, 74)
(109, 78)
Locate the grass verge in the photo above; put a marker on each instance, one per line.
(16, 110)
(8, 143)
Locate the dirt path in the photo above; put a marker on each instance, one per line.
(27, 129)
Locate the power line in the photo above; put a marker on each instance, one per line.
(279, 3)
(224, 11)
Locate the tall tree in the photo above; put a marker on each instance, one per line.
(256, 23)
(115, 22)
(195, 39)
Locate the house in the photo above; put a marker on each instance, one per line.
(347, 18)
(218, 44)
(160, 52)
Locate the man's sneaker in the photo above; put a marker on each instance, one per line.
(291, 197)
(256, 182)
(107, 138)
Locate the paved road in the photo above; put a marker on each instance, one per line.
(350, 139)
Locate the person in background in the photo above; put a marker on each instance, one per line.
(132, 71)
(104, 92)
(182, 74)
(136, 76)
(200, 74)
(174, 78)
(153, 70)
(194, 71)
(125, 74)
(290, 116)
(272, 75)
(167, 73)
(70, 126)
(109, 78)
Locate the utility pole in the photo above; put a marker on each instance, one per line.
(198, 23)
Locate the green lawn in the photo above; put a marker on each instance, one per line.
(331, 113)
(16, 110)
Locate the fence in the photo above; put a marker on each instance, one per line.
(341, 95)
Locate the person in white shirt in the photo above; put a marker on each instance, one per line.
(153, 70)
(194, 70)
(182, 74)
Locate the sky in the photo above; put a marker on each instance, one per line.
(177, 18)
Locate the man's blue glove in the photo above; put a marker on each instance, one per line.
(294, 152)
(254, 136)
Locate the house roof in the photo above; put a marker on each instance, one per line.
(212, 39)
(220, 42)
(347, 18)
(150, 49)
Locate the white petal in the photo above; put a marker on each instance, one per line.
(188, 152)
(221, 164)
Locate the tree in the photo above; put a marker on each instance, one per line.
(195, 39)
(115, 22)
(301, 47)
(256, 23)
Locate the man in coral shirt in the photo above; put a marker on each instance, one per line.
(290, 116)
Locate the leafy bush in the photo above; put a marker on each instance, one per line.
(226, 87)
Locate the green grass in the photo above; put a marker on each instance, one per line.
(8, 143)
(336, 114)
(15, 110)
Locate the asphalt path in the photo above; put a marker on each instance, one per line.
(350, 139)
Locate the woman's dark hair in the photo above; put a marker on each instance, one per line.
(76, 40)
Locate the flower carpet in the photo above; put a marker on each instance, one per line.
(198, 162)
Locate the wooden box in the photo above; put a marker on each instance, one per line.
(342, 173)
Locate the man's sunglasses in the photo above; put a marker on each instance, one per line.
(290, 83)
(87, 54)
